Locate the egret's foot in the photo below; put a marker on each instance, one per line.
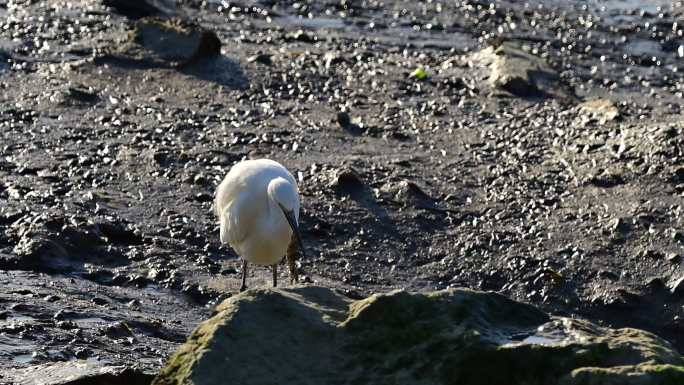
(243, 287)
(275, 275)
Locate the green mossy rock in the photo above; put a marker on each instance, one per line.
(312, 335)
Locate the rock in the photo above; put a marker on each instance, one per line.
(606, 180)
(4, 58)
(677, 176)
(408, 193)
(345, 122)
(511, 69)
(313, 335)
(332, 59)
(343, 119)
(674, 257)
(119, 232)
(619, 226)
(116, 330)
(79, 372)
(169, 43)
(76, 96)
(601, 110)
(46, 244)
(678, 236)
(261, 58)
(32, 250)
(347, 182)
(676, 286)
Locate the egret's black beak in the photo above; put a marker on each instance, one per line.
(289, 215)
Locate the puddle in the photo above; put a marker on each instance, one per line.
(644, 48)
(23, 358)
(16, 349)
(392, 34)
(547, 334)
(18, 318)
(82, 322)
(539, 340)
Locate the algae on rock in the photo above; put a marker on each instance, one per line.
(312, 335)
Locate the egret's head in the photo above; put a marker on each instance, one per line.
(285, 195)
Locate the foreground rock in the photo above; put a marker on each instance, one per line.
(511, 69)
(311, 335)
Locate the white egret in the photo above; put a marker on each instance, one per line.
(258, 207)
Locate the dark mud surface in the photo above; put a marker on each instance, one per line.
(108, 163)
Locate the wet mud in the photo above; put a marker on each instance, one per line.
(109, 157)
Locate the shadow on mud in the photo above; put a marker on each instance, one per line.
(221, 70)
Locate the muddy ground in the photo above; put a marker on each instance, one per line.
(109, 246)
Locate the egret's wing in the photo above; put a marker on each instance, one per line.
(231, 230)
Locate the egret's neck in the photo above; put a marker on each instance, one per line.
(274, 210)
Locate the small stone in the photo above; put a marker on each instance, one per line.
(347, 181)
(261, 59)
(343, 119)
(83, 353)
(132, 304)
(606, 180)
(200, 180)
(332, 59)
(117, 330)
(619, 225)
(60, 315)
(67, 325)
(606, 274)
(676, 286)
(601, 110)
(203, 197)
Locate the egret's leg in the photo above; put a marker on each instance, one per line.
(275, 274)
(244, 276)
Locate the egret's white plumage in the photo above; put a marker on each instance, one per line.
(258, 207)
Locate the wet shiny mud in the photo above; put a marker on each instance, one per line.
(108, 165)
